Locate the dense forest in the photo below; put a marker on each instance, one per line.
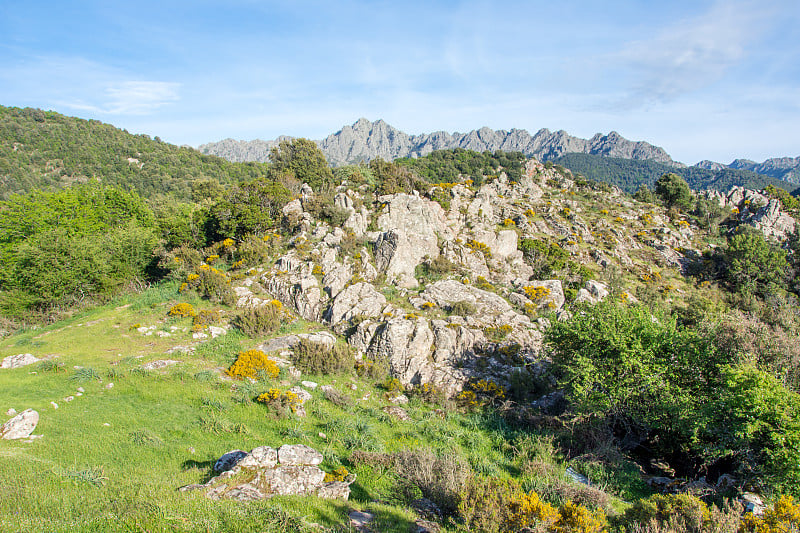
(630, 174)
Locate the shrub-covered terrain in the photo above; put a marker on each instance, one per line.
(475, 342)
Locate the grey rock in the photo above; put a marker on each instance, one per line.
(298, 454)
(21, 426)
(360, 299)
(161, 363)
(396, 412)
(287, 342)
(261, 457)
(302, 395)
(18, 361)
(445, 293)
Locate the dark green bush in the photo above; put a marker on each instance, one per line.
(319, 358)
(259, 321)
(462, 308)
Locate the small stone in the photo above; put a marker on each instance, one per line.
(161, 363)
(322, 435)
(106, 424)
(54, 404)
(399, 399)
(302, 395)
(109, 386)
(353, 386)
(199, 335)
(397, 412)
(80, 389)
(191, 449)
(78, 394)
(11, 412)
(359, 519)
(309, 384)
(69, 398)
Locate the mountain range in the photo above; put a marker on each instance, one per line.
(366, 140)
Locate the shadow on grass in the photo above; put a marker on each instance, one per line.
(191, 464)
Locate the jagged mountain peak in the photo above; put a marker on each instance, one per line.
(365, 140)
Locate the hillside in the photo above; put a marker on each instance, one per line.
(629, 174)
(483, 354)
(44, 149)
(782, 168)
(365, 140)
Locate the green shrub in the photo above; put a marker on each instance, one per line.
(260, 321)
(463, 308)
(319, 358)
(660, 508)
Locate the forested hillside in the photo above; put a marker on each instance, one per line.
(46, 150)
(630, 174)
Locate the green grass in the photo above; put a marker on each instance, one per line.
(113, 458)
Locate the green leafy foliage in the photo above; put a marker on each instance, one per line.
(630, 174)
(754, 265)
(674, 191)
(302, 159)
(449, 165)
(756, 419)
(251, 207)
(47, 150)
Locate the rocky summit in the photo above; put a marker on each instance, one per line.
(366, 140)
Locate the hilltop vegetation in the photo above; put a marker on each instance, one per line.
(47, 150)
(630, 174)
(517, 344)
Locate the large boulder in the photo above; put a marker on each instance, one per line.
(265, 472)
(21, 426)
(397, 253)
(772, 222)
(406, 346)
(359, 299)
(287, 342)
(412, 227)
(300, 291)
(592, 293)
(18, 361)
(445, 293)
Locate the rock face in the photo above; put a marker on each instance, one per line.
(18, 361)
(21, 426)
(360, 299)
(412, 227)
(367, 140)
(266, 472)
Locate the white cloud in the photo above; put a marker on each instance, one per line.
(692, 54)
(140, 97)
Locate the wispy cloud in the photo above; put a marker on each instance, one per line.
(131, 98)
(691, 54)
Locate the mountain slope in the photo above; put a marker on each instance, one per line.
(366, 140)
(44, 149)
(629, 174)
(782, 168)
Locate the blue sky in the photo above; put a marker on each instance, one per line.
(703, 79)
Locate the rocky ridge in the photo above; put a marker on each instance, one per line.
(783, 168)
(366, 140)
(484, 318)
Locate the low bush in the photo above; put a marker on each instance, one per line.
(463, 308)
(260, 321)
(440, 478)
(319, 358)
